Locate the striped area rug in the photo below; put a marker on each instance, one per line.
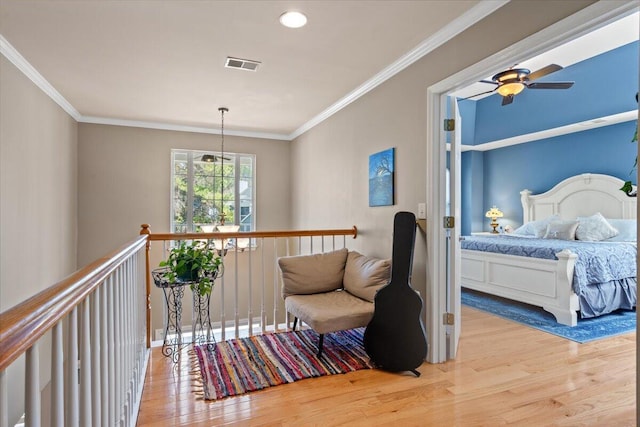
(242, 365)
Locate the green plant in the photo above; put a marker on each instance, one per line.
(193, 262)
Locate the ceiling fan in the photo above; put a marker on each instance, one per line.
(212, 158)
(513, 81)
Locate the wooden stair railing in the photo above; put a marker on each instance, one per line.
(283, 243)
(98, 362)
(99, 334)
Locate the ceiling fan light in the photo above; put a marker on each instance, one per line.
(208, 158)
(510, 89)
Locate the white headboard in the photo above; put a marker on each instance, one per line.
(580, 195)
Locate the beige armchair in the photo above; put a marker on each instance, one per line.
(332, 291)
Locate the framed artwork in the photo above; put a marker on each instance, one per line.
(381, 178)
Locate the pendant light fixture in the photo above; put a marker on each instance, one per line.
(223, 244)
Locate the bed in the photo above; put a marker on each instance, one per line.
(559, 275)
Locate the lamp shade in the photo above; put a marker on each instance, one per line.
(512, 88)
(494, 213)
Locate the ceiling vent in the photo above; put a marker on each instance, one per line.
(242, 64)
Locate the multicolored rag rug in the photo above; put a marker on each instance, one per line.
(242, 365)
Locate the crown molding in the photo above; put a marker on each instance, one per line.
(454, 28)
(179, 128)
(613, 119)
(32, 74)
(458, 25)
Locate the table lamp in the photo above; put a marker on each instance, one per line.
(494, 213)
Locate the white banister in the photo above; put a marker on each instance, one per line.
(97, 323)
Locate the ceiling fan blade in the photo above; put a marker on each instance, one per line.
(506, 100)
(489, 81)
(551, 68)
(478, 94)
(550, 85)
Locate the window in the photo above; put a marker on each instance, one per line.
(199, 189)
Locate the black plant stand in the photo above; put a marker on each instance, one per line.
(201, 330)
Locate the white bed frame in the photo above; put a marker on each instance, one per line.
(541, 282)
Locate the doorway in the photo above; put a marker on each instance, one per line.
(442, 347)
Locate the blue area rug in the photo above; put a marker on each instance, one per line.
(616, 323)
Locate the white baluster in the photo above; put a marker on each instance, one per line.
(104, 352)
(117, 335)
(96, 374)
(112, 351)
(4, 399)
(32, 387)
(236, 317)
(85, 365)
(223, 319)
(250, 292)
(71, 364)
(263, 313)
(57, 376)
(275, 285)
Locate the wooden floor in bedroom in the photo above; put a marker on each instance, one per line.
(505, 374)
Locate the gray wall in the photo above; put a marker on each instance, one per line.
(38, 190)
(38, 182)
(124, 180)
(329, 162)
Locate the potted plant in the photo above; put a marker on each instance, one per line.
(193, 262)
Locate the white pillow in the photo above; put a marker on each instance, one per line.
(627, 230)
(594, 228)
(562, 230)
(536, 228)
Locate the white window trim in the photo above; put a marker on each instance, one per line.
(190, 176)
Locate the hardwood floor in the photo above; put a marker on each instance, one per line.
(505, 374)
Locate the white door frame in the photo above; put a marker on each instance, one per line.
(574, 26)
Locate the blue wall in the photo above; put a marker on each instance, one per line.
(605, 85)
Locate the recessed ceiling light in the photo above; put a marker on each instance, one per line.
(293, 19)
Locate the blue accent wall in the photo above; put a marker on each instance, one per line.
(604, 85)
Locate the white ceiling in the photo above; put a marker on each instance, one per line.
(162, 62)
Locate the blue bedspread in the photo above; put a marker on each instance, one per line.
(605, 272)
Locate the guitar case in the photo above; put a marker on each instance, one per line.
(395, 339)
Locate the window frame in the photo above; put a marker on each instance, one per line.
(192, 155)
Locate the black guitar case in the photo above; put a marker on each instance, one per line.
(395, 339)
